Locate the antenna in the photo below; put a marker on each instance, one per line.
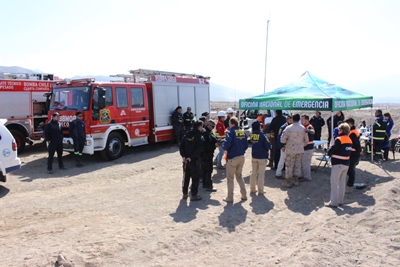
(266, 54)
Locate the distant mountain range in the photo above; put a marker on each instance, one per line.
(222, 93)
(217, 92)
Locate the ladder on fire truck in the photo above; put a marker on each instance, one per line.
(27, 76)
(144, 75)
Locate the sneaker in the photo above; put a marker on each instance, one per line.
(243, 198)
(228, 200)
(261, 193)
(49, 171)
(195, 198)
(329, 205)
(185, 196)
(278, 177)
(253, 192)
(221, 167)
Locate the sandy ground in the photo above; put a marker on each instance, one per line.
(129, 212)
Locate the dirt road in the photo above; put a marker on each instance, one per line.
(129, 212)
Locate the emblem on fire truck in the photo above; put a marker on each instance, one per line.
(105, 116)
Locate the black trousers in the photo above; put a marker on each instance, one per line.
(78, 145)
(277, 154)
(52, 149)
(317, 135)
(178, 133)
(206, 170)
(352, 171)
(191, 170)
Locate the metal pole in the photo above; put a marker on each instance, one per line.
(266, 54)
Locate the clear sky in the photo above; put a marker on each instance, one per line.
(352, 43)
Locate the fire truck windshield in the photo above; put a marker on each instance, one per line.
(71, 98)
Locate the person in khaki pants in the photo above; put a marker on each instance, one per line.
(259, 152)
(340, 159)
(235, 144)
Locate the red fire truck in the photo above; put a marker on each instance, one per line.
(134, 111)
(23, 104)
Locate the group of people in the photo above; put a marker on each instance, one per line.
(54, 138)
(291, 137)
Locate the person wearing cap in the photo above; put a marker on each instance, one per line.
(259, 152)
(77, 133)
(229, 114)
(206, 115)
(210, 143)
(236, 145)
(220, 133)
(191, 147)
(177, 124)
(188, 117)
(53, 135)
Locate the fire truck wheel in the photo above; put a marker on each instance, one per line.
(20, 139)
(114, 147)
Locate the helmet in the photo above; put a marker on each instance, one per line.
(229, 110)
(221, 113)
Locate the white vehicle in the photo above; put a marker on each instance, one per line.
(8, 158)
(247, 117)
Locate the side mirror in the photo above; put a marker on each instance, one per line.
(101, 98)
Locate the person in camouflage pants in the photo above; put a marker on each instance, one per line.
(294, 137)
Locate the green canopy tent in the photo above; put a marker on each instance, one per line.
(308, 93)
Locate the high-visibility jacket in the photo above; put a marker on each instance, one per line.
(355, 139)
(220, 130)
(379, 128)
(311, 133)
(341, 150)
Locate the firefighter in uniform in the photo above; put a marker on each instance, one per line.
(190, 149)
(308, 149)
(188, 119)
(53, 135)
(177, 124)
(220, 132)
(340, 159)
(235, 144)
(210, 143)
(259, 153)
(355, 154)
(379, 132)
(294, 138)
(78, 135)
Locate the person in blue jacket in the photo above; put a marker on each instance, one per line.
(390, 124)
(77, 133)
(236, 145)
(259, 152)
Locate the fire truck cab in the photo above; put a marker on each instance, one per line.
(24, 104)
(133, 111)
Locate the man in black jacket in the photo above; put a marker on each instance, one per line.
(274, 127)
(317, 122)
(355, 154)
(77, 133)
(190, 149)
(53, 135)
(207, 155)
(177, 124)
(188, 117)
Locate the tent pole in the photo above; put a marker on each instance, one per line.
(332, 139)
(372, 135)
